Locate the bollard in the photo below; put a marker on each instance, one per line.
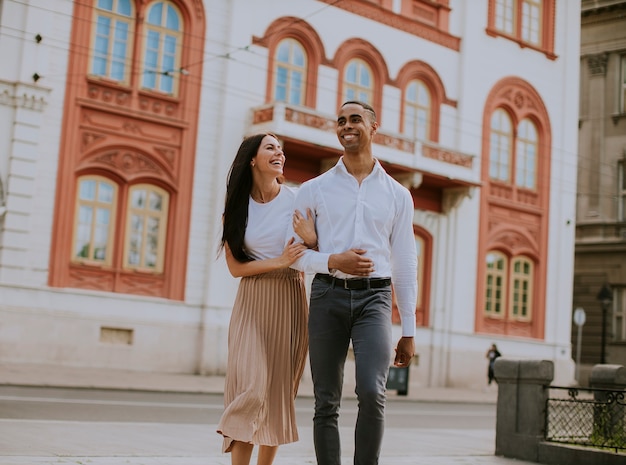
(522, 397)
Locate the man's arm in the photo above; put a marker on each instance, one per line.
(404, 263)
(350, 261)
(404, 278)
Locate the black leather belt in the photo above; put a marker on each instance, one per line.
(355, 283)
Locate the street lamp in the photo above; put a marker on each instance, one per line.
(605, 296)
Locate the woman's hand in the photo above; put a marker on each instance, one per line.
(292, 251)
(305, 228)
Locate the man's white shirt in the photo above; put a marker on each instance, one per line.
(376, 216)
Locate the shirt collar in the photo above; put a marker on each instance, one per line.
(377, 170)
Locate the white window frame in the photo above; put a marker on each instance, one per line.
(95, 228)
(417, 113)
(498, 299)
(114, 42)
(292, 70)
(532, 21)
(526, 154)
(621, 189)
(136, 241)
(159, 76)
(622, 89)
(524, 294)
(500, 146)
(618, 316)
(357, 89)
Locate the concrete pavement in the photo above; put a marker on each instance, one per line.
(40, 442)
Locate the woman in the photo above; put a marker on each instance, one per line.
(267, 339)
(492, 354)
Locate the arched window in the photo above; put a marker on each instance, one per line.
(495, 289)
(417, 110)
(291, 71)
(515, 173)
(358, 82)
(146, 226)
(94, 224)
(500, 148)
(522, 271)
(526, 155)
(112, 39)
(163, 40)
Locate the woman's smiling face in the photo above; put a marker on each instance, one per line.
(270, 158)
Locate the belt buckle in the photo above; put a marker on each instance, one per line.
(345, 284)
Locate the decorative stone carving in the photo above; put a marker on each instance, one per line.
(90, 138)
(128, 162)
(168, 155)
(30, 102)
(307, 119)
(21, 95)
(264, 115)
(410, 180)
(392, 141)
(513, 240)
(448, 156)
(597, 64)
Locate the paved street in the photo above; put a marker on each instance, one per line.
(125, 418)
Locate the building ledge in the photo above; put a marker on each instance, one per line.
(309, 135)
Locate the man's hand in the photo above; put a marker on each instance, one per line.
(405, 350)
(351, 262)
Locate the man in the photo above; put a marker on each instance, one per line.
(364, 222)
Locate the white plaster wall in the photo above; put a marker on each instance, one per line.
(62, 326)
(562, 96)
(455, 354)
(32, 125)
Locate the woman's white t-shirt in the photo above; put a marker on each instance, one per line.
(268, 223)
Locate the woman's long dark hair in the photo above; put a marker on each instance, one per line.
(238, 188)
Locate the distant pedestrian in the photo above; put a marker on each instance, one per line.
(492, 354)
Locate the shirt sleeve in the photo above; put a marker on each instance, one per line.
(404, 263)
(312, 261)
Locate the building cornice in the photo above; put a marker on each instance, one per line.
(600, 7)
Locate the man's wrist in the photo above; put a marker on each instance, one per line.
(331, 263)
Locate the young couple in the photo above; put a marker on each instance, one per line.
(353, 227)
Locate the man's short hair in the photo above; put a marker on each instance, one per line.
(366, 106)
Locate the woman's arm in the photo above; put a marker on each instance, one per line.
(291, 253)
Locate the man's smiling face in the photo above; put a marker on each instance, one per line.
(355, 127)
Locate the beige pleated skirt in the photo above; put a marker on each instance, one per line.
(267, 348)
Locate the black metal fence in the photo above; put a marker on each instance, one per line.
(586, 417)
